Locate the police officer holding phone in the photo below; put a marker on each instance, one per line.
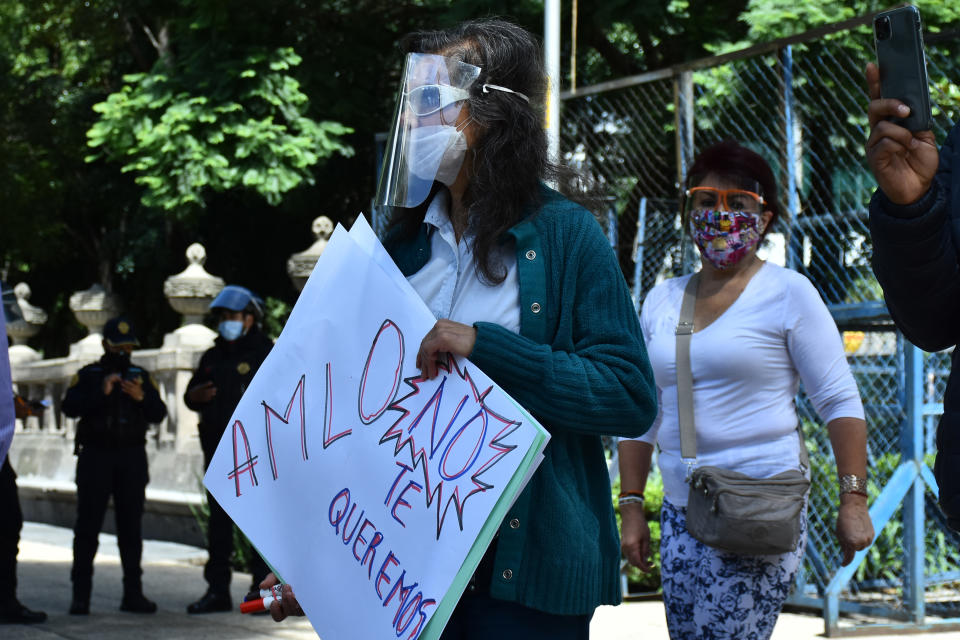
(115, 401)
(224, 373)
(915, 226)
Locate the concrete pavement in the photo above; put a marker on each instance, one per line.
(173, 577)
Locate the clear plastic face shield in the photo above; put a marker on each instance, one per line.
(425, 142)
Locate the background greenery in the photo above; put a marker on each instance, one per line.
(132, 128)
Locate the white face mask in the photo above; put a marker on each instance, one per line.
(436, 152)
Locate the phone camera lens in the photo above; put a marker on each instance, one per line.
(882, 27)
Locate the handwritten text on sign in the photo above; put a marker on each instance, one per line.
(346, 468)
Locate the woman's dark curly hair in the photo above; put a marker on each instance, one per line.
(511, 154)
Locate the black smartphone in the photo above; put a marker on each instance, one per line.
(903, 67)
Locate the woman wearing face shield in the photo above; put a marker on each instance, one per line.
(523, 283)
(758, 329)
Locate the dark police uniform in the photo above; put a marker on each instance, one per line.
(230, 366)
(11, 521)
(112, 460)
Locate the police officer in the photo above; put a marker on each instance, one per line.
(224, 373)
(115, 401)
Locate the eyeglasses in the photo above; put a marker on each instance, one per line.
(724, 199)
(428, 99)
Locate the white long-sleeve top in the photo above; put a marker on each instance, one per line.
(746, 368)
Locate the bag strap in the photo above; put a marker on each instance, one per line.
(688, 431)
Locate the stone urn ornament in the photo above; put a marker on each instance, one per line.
(190, 293)
(31, 319)
(300, 265)
(92, 308)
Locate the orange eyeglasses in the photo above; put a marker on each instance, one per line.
(724, 199)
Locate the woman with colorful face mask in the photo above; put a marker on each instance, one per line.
(759, 329)
(522, 282)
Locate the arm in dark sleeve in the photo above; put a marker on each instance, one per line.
(198, 378)
(915, 259)
(153, 407)
(84, 395)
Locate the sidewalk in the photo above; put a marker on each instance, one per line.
(173, 577)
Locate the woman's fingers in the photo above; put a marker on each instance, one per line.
(446, 336)
(286, 606)
(269, 581)
(854, 529)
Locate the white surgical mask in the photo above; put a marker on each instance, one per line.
(436, 152)
(230, 330)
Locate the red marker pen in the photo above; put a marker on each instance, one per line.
(260, 604)
(267, 596)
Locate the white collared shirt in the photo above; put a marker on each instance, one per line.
(449, 284)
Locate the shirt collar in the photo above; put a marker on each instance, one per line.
(438, 212)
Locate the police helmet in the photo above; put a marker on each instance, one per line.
(236, 298)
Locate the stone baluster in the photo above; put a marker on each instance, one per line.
(300, 265)
(26, 325)
(190, 293)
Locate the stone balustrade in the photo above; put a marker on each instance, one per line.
(42, 451)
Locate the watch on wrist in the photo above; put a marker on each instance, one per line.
(853, 484)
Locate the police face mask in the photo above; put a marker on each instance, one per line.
(230, 330)
(116, 360)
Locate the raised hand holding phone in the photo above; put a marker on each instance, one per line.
(901, 149)
(904, 162)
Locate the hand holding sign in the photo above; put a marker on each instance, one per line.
(445, 337)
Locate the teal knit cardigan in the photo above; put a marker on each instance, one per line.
(579, 365)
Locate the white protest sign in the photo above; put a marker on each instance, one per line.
(365, 486)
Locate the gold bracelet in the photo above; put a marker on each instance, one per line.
(853, 484)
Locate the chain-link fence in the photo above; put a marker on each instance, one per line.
(801, 104)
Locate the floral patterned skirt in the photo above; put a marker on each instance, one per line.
(709, 594)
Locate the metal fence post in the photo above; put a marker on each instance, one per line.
(913, 511)
(638, 252)
(684, 103)
(612, 223)
(789, 158)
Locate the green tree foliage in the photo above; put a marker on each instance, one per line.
(187, 127)
(214, 121)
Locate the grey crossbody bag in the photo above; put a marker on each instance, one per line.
(725, 509)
